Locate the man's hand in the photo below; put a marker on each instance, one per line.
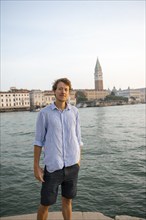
(79, 163)
(38, 173)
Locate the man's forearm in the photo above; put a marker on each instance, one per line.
(80, 157)
(37, 154)
(38, 171)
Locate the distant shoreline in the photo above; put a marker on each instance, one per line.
(14, 110)
(81, 105)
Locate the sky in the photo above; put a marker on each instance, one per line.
(42, 41)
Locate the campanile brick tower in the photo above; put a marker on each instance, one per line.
(98, 77)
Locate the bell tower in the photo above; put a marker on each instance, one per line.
(98, 78)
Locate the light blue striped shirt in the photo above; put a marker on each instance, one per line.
(60, 135)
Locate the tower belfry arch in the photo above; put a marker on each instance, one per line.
(98, 77)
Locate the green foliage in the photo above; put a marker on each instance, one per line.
(112, 93)
(133, 98)
(115, 98)
(80, 97)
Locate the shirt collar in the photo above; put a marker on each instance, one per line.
(68, 106)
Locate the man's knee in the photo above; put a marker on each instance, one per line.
(43, 208)
(66, 201)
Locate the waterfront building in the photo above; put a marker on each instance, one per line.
(72, 98)
(92, 94)
(39, 99)
(35, 98)
(138, 95)
(51, 96)
(47, 98)
(15, 99)
(142, 94)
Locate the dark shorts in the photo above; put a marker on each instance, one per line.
(67, 178)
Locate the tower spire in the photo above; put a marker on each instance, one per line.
(98, 76)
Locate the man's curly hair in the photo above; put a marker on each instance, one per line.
(64, 80)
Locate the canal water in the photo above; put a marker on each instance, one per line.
(112, 177)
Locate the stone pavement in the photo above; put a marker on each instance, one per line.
(76, 216)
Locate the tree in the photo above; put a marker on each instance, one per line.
(112, 93)
(133, 98)
(112, 97)
(80, 96)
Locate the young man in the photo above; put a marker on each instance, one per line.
(58, 131)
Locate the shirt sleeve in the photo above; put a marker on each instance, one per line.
(41, 129)
(78, 130)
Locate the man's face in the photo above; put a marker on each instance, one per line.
(62, 92)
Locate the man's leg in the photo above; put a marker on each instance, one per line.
(66, 208)
(42, 212)
(49, 192)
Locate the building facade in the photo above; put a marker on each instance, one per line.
(138, 95)
(39, 99)
(15, 99)
(92, 94)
